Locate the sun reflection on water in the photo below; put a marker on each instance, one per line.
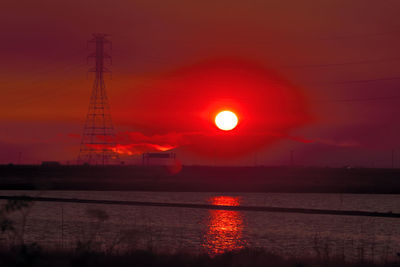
(225, 227)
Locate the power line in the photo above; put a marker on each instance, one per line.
(368, 80)
(341, 63)
(360, 99)
(339, 83)
(361, 35)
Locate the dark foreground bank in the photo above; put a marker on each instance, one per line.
(34, 256)
(201, 178)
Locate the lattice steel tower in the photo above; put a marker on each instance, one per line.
(98, 139)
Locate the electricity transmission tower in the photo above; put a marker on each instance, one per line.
(98, 139)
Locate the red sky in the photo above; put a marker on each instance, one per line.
(339, 59)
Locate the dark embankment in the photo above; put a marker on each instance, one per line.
(202, 178)
(34, 256)
(206, 206)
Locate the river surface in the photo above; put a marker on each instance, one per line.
(170, 229)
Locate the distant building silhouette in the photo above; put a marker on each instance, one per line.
(50, 163)
(160, 158)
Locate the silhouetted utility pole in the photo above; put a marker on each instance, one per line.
(393, 154)
(291, 158)
(98, 139)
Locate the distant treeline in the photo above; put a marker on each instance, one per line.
(201, 178)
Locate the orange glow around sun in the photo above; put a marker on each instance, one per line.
(226, 120)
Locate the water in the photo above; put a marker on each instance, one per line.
(168, 229)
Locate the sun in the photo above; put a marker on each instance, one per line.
(226, 120)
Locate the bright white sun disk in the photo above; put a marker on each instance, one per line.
(226, 120)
